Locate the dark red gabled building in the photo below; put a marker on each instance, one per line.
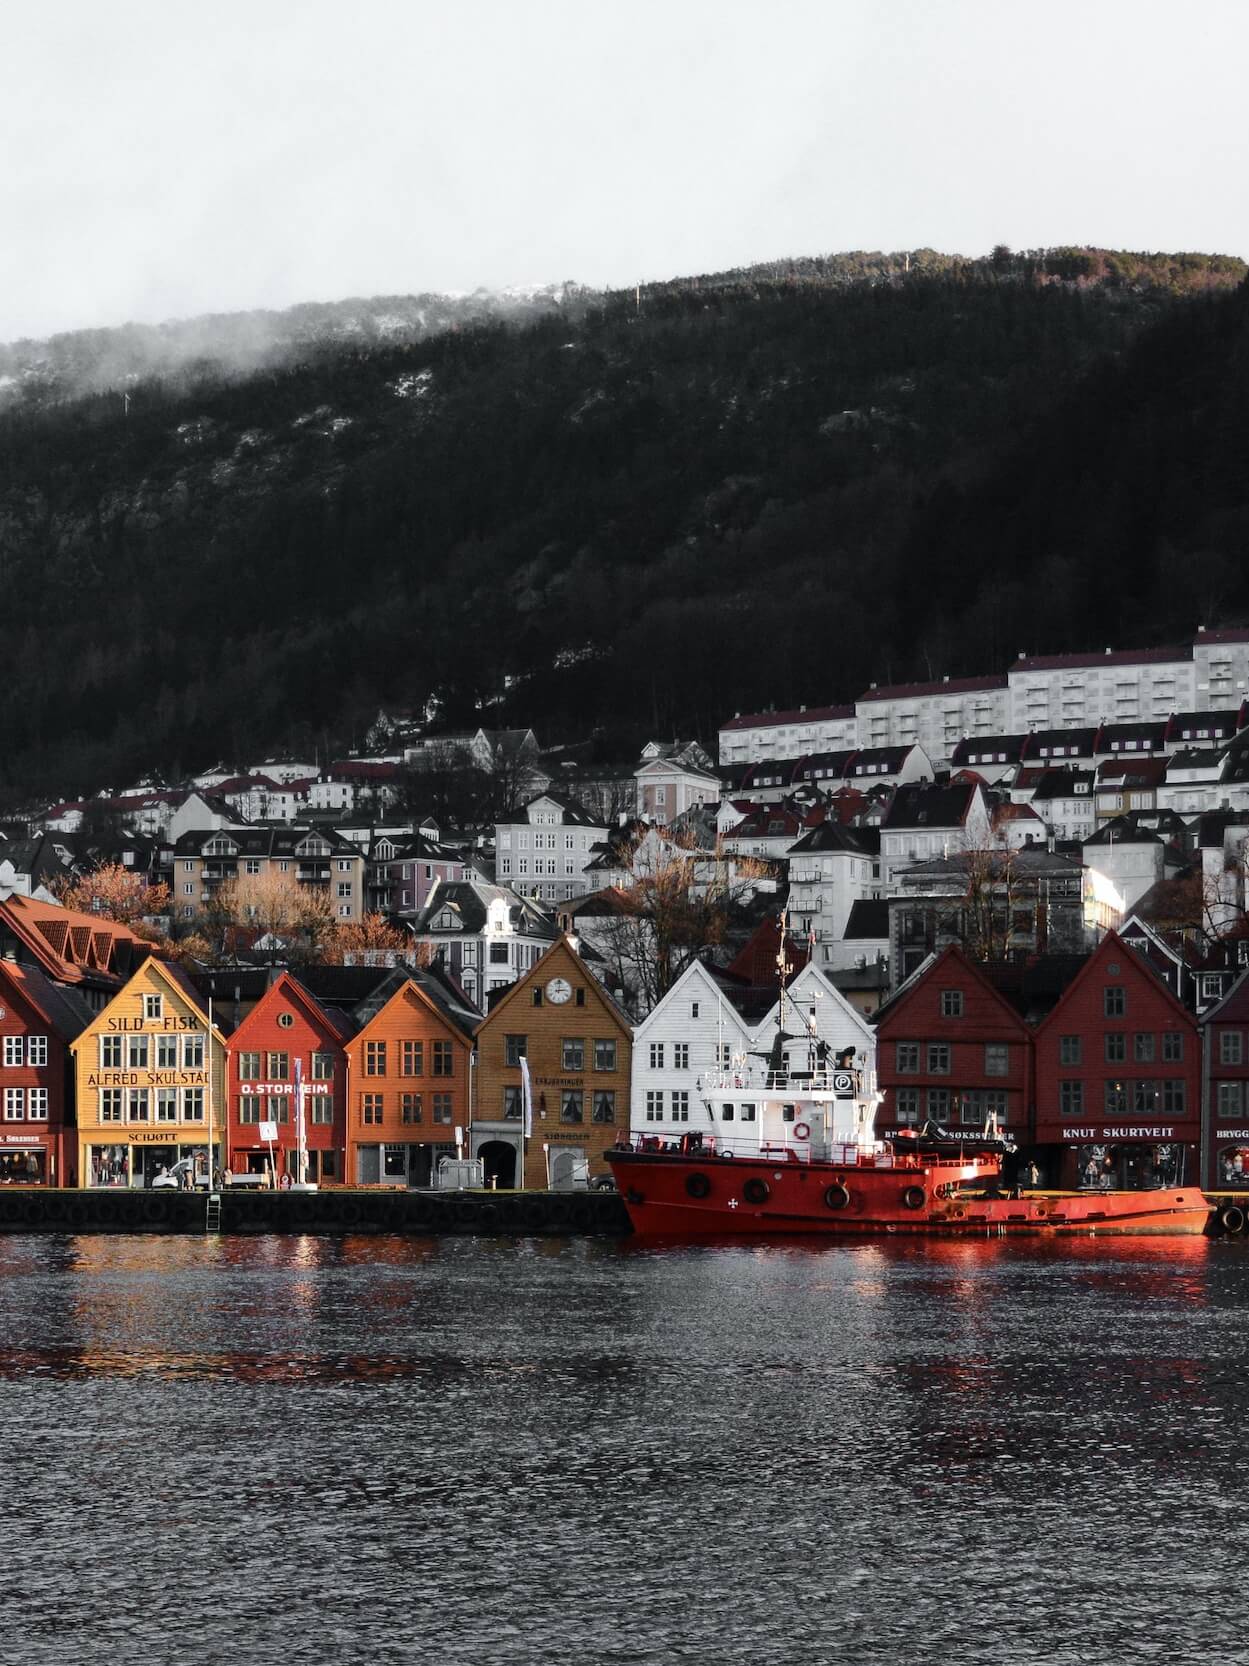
(952, 1050)
(1118, 1076)
(38, 1020)
(288, 1040)
(1225, 1140)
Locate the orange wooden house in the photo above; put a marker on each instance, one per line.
(408, 1071)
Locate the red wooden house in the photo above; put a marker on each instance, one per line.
(38, 1020)
(287, 1042)
(1118, 1076)
(952, 1050)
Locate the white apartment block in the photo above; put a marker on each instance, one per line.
(934, 716)
(1076, 691)
(788, 734)
(546, 853)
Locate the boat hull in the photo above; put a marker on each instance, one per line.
(674, 1196)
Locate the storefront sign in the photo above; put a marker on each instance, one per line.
(1152, 1132)
(269, 1131)
(156, 1136)
(266, 1087)
(1231, 1133)
(152, 1024)
(148, 1079)
(38, 1141)
(559, 1081)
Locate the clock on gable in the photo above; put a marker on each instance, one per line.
(558, 991)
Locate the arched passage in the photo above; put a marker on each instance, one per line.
(498, 1159)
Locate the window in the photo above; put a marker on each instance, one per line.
(1114, 1003)
(1172, 1046)
(323, 1067)
(727, 1113)
(1116, 1047)
(375, 1058)
(36, 1104)
(167, 1052)
(166, 1104)
(951, 1003)
(997, 1058)
(938, 1058)
(680, 1055)
(249, 1067)
(657, 1055)
(371, 1107)
(1174, 1096)
(980, 1104)
(344, 909)
(693, 1009)
(344, 888)
(344, 866)
(413, 1058)
(906, 1107)
(681, 1105)
(748, 1113)
(110, 1105)
(1144, 1097)
(654, 1105)
(578, 999)
(279, 1067)
(604, 1102)
(1143, 1047)
(908, 1058)
(938, 1104)
(513, 1103)
(192, 1051)
(1115, 1098)
(152, 1006)
(409, 1107)
(570, 1105)
(14, 1104)
(12, 1050)
(1231, 1098)
(277, 1110)
(573, 1053)
(136, 1052)
(443, 1061)
(1070, 1049)
(251, 866)
(320, 1109)
(514, 1048)
(442, 1107)
(1231, 1047)
(605, 1055)
(137, 1104)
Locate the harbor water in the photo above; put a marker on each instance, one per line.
(482, 1451)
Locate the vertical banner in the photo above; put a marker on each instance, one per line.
(301, 1132)
(527, 1091)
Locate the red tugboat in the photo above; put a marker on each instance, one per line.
(797, 1153)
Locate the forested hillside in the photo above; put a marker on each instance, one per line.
(633, 511)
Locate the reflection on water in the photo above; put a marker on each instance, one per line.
(371, 1449)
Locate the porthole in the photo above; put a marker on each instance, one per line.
(286, 1019)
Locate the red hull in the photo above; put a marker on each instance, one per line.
(676, 1196)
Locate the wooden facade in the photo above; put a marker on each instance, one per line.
(288, 1049)
(579, 1049)
(407, 1091)
(150, 1076)
(37, 1023)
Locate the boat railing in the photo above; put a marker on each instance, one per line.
(843, 1084)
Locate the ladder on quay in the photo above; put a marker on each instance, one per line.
(212, 1219)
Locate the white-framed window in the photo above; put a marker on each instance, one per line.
(37, 1104)
(36, 1049)
(153, 1006)
(13, 1050)
(14, 1104)
(166, 1052)
(110, 1105)
(680, 1105)
(252, 865)
(654, 1104)
(344, 888)
(656, 1055)
(137, 1052)
(137, 1104)
(680, 1055)
(166, 1104)
(193, 1051)
(193, 1105)
(344, 910)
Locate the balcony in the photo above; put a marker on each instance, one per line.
(309, 873)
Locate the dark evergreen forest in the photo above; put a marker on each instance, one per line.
(625, 513)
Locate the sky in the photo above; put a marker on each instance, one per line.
(162, 158)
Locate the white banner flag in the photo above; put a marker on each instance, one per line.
(527, 1092)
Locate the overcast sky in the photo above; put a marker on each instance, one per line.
(163, 158)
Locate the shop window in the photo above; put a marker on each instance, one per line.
(395, 1162)
(1233, 1165)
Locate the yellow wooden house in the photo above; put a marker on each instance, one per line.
(150, 1074)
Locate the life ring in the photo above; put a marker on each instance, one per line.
(914, 1197)
(697, 1185)
(756, 1190)
(1232, 1219)
(837, 1196)
(724, 1152)
(801, 1131)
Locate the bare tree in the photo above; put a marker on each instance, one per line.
(277, 905)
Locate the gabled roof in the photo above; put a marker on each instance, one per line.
(756, 961)
(288, 988)
(880, 760)
(950, 961)
(65, 1011)
(921, 805)
(831, 836)
(1112, 946)
(537, 973)
(70, 947)
(1122, 830)
(987, 749)
(1062, 783)
(1074, 743)
(1234, 1007)
(1133, 772)
(431, 988)
(868, 920)
(1183, 725)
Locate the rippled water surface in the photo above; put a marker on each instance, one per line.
(358, 1450)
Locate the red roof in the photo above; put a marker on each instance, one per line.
(1236, 634)
(1122, 656)
(775, 720)
(946, 685)
(757, 961)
